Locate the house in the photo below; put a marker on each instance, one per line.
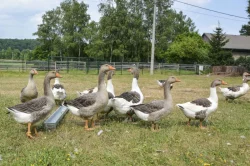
(238, 44)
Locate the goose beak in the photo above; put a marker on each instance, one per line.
(129, 70)
(177, 80)
(111, 67)
(36, 72)
(223, 82)
(58, 75)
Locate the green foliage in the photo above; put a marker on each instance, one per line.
(63, 30)
(217, 55)
(245, 29)
(243, 61)
(188, 48)
(19, 44)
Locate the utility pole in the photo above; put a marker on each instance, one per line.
(153, 43)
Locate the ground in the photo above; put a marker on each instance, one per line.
(226, 141)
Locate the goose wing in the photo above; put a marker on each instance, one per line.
(234, 88)
(130, 96)
(149, 107)
(57, 86)
(31, 106)
(83, 101)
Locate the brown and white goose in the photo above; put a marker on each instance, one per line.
(88, 105)
(156, 109)
(36, 109)
(30, 91)
(201, 108)
(121, 104)
(237, 91)
(58, 92)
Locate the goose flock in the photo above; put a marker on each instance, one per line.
(102, 99)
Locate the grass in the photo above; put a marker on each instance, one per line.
(226, 141)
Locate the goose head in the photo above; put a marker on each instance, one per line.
(105, 68)
(33, 72)
(245, 76)
(135, 71)
(172, 80)
(53, 74)
(217, 83)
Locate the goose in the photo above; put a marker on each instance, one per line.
(110, 89)
(121, 104)
(37, 109)
(58, 91)
(162, 82)
(237, 91)
(88, 105)
(111, 93)
(201, 108)
(30, 91)
(156, 109)
(91, 90)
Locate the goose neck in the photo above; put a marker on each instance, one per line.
(213, 94)
(47, 89)
(101, 82)
(110, 87)
(134, 84)
(168, 101)
(57, 81)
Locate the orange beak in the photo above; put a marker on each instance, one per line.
(58, 75)
(129, 70)
(111, 67)
(177, 80)
(223, 82)
(36, 72)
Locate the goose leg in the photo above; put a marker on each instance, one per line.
(188, 123)
(202, 127)
(156, 126)
(153, 126)
(87, 126)
(36, 133)
(29, 132)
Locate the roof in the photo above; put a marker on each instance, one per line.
(236, 42)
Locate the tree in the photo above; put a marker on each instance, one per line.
(245, 29)
(187, 48)
(217, 55)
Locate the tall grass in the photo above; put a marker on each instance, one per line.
(226, 141)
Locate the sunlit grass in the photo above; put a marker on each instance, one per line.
(226, 141)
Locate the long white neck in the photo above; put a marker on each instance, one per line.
(110, 87)
(213, 95)
(135, 86)
(57, 81)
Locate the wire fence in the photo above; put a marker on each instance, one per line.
(92, 67)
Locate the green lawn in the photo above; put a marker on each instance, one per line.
(226, 141)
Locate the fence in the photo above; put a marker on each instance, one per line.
(93, 66)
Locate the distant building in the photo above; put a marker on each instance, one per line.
(238, 44)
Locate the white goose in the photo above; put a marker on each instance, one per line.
(88, 105)
(157, 109)
(30, 91)
(58, 91)
(237, 91)
(121, 104)
(203, 107)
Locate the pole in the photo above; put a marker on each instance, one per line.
(153, 43)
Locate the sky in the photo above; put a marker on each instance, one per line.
(19, 18)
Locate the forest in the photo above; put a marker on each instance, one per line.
(123, 33)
